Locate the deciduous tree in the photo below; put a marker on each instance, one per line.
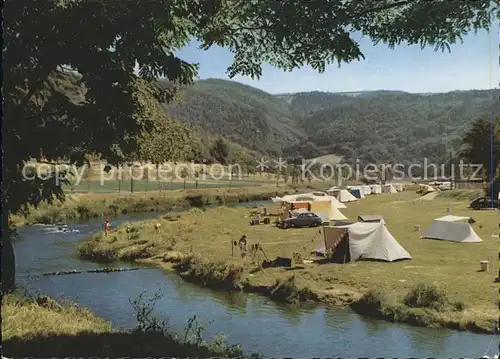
(220, 151)
(477, 143)
(169, 141)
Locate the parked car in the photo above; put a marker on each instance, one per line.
(483, 203)
(302, 220)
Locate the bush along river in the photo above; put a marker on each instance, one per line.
(255, 322)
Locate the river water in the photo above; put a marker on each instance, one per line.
(255, 322)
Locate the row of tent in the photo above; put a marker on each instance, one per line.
(368, 239)
(373, 241)
(324, 205)
(328, 205)
(354, 193)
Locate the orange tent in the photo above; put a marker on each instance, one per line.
(301, 204)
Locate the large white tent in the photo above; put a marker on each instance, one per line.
(345, 196)
(452, 228)
(332, 213)
(363, 240)
(357, 188)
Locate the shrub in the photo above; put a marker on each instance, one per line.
(288, 291)
(92, 250)
(219, 275)
(83, 212)
(459, 306)
(426, 296)
(372, 303)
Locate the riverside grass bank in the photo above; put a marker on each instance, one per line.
(440, 287)
(81, 207)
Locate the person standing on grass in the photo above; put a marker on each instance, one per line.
(243, 245)
(107, 227)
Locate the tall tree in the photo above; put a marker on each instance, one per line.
(477, 145)
(90, 49)
(479, 142)
(220, 151)
(169, 140)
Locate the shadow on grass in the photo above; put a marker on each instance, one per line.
(295, 268)
(87, 344)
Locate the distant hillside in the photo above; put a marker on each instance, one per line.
(372, 126)
(388, 126)
(240, 113)
(305, 103)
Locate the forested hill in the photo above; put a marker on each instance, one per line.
(370, 126)
(243, 114)
(392, 126)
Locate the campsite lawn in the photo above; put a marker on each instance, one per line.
(453, 267)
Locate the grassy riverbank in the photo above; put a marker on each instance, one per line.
(43, 328)
(440, 287)
(88, 206)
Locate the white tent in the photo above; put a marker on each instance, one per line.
(398, 187)
(376, 188)
(333, 215)
(367, 240)
(367, 190)
(333, 190)
(346, 196)
(388, 188)
(357, 188)
(336, 215)
(424, 189)
(335, 201)
(452, 228)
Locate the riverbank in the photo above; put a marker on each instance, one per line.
(79, 207)
(440, 287)
(41, 327)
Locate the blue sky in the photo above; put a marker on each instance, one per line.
(471, 65)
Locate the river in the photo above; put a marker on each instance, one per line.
(255, 322)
